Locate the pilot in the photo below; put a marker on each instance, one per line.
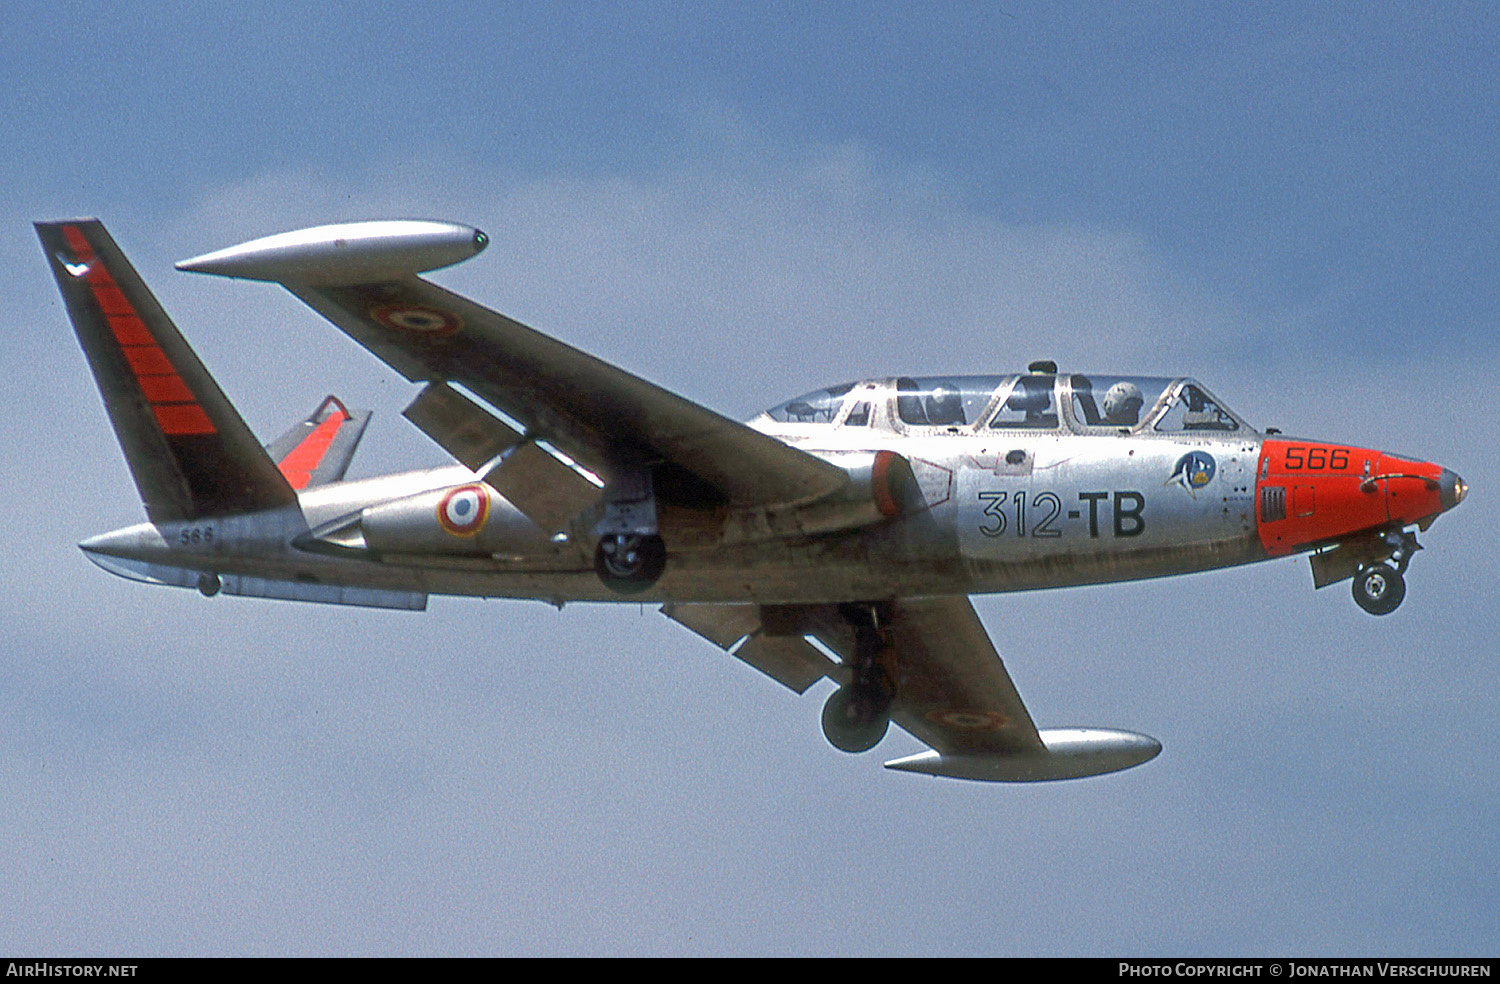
(1122, 404)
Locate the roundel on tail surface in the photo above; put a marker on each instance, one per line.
(462, 511)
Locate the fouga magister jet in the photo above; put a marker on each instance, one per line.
(836, 535)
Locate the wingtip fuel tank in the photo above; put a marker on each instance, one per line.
(1070, 753)
(345, 253)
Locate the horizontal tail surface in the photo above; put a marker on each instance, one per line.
(318, 450)
(188, 449)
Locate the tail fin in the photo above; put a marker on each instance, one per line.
(190, 452)
(318, 450)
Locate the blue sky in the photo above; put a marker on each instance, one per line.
(1297, 203)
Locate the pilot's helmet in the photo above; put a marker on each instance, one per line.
(1122, 403)
(945, 405)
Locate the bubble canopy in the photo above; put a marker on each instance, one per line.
(1036, 401)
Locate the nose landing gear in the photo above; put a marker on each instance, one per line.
(1380, 588)
(858, 714)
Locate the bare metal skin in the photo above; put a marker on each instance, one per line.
(836, 535)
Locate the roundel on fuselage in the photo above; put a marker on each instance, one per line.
(462, 511)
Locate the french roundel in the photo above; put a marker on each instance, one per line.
(462, 511)
(416, 318)
(968, 720)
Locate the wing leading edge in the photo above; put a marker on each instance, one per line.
(953, 691)
(601, 416)
(595, 412)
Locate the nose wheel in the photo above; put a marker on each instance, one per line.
(1380, 588)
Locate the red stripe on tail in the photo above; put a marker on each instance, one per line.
(176, 409)
(300, 463)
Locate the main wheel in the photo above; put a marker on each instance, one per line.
(630, 564)
(1378, 589)
(856, 718)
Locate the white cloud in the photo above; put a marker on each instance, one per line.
(745, 279)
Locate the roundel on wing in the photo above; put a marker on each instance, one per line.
(968, 720)
(416, 318)
(462, 511)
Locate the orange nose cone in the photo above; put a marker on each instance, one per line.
(1415, 490)
(1311, 493)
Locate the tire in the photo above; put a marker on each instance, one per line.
(855, 721)
(630, 564)
(1379, 589)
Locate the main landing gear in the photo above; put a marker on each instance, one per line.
(1379, 588)
(631, 555)
(858, 714)
(629, 563)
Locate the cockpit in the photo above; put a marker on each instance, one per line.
(1038, 401)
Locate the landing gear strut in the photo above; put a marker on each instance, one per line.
(858, 714)
(1380, 588)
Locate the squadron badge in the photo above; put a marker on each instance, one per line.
(1193, 471)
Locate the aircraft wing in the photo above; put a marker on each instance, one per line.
(601, 416)
(953, 691)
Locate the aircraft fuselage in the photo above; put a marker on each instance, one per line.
(1019, 513)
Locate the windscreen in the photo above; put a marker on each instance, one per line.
(818, 407)
(1193, 409)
